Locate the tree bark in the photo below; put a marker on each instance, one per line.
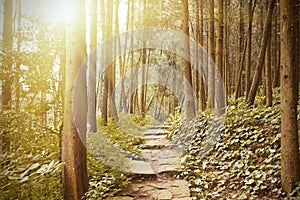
(251, 8)
(202, 57)
(189, 96)
(220, 95)
(92, 122)
(289, 43)
(268, 73)
(7, 81)
(211, 67)
(261, 57)
(75, 179)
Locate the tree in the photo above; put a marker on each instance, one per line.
(92, 125)
(75, 180)
(261, 56)
(189, 97)
(289, 43)
(251, 9)
(211, 68)
(268, 74)
(7, 82)
(219, 61)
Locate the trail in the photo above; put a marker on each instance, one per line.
(155, 171)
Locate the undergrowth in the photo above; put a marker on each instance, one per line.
(30, 169)
(234, 157)
(108, 149)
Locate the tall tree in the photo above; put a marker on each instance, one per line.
(211, 67)
(219, 61)
(104, 106)
(75, 179)
(268, 74)
(251, 9)
(189, 97)
(201, 42)
(241, 49)
(92, 125)
(18, 89)
(261, 56)
(6, 83)
(289, 43)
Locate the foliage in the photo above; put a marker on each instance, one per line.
(31, 168)
(108, 148)
(103, 180)
(243, 158)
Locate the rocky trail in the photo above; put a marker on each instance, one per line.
(156, 170)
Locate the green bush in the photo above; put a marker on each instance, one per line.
(238, 157)
(31, 168)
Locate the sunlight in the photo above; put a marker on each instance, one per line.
(54, 11)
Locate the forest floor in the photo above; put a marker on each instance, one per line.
(156, 170)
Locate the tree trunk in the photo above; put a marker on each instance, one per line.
(220, 95)
(189, 96)
(92, 122)
(289, 43)
(251, 9)
(261, 57)
(241, 58)
(201, 42)
(239, 75)
(276, 79)
(268, 73)
(7, 82)
(104, 110)
(143, 87)
(112, 69)
(211, 67)
(18, 87)
(75, 179)
(226, 57)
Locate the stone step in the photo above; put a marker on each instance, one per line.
(154, 137)
(160, 127)
(155, 132)
(141, 167)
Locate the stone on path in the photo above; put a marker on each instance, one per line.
(164, 195)
(159, 156)
(120, 198)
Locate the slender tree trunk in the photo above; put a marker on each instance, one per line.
(18, 87)
(276, 79)
(226, 57)
(92, 122)
(239, 75)
(75, 179)
(289, 37)
(261, 57)
(202, 56)
(112, 69)
(268, 73)
(7, 81)
(132, 93)
(241, 58)
(143, 87)
(220, 95)
(251, 8)
(104, 110)
(211, 67)
(189, 97)
(197, 71)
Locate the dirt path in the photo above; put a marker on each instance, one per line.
(155, 173)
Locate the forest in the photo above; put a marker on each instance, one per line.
(149, 99)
